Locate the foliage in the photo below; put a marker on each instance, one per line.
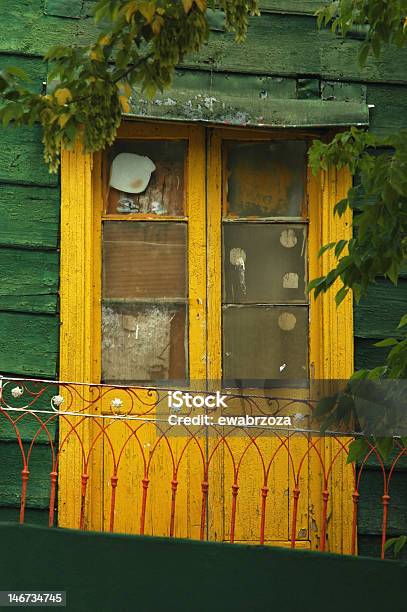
(139, 44)
(383, 21)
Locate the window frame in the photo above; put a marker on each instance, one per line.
(331, 328)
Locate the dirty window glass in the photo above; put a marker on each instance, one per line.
(144, 260)
(144, 308)
(264, 343)
(265, 179)
(264, 263)
(146, 177)
(143, 342)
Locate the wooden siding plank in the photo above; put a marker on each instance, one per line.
(21, 157)
(370, 513)
(28, 426)
(29, 344)
(29, 216)
(378, 315)
(64, 8)
(367, 355)
(390, 108)
(35, 68)
(38, 489)
(292, 45)
(276, 44)
(46, 304)
(33, 516)
(30, 31)
(306, 7)
(29, 280)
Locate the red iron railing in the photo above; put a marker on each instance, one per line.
(129, 428)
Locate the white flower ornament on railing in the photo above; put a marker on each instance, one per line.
(116, 403)
(56, 401)
(17, 392)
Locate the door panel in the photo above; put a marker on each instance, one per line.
(258, 322)
(155, 333)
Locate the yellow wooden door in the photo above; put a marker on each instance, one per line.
(185, 296)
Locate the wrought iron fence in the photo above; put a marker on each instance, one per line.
(110, 452)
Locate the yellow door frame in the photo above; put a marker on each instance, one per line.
(82, 213)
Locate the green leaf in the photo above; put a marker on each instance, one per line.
(384, 446)
(358, 450)
(403, 321)
(325, 405)
(18, 72)
(316, 282)
(341, 207)
(341, 295)
(386, 342)
(390, 543)
(400, 543)
(363, 53)
(325, 248)
(340, 246)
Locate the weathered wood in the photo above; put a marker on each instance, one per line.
(341, 91)
(33, 516)
(292, 45)
(306, 7)
(21, 157)
(30, 31)
(35, 69)
(46, 304)
(10, 475)
(373, 462)
(367, 355)
(276, 44)
(64, 8)
(378, 315)
(370, 504)
(390, 108)
(250, 111)
(370, 546)
(29, 216)
(29, 280)
(29, 427)
(28, 344)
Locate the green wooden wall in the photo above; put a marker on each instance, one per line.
(283, 52)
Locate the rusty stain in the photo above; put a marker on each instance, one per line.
(136, 184)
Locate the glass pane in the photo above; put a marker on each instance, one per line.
(266, 179)
(263, 343)
(144, 260)
(264, 263)
(147, 177)
(143, 342)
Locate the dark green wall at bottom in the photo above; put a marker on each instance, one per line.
(107, 573)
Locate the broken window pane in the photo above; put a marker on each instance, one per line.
(264, 343)
(265, 179)
(264, 263)
(143, 342)
(144, 260)
(146, 177)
